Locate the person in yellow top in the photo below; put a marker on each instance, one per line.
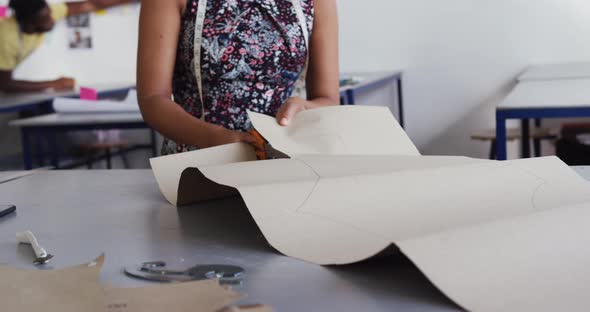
(23, 33)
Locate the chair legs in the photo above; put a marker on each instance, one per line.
(89, 161)
(537, 147)
(107, 153)
(493, 155)
(124, 158)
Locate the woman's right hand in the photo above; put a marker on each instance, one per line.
(221, 136)
(63, 84)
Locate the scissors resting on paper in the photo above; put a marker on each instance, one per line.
(263, 149)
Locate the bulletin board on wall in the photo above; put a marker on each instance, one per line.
(96, 48)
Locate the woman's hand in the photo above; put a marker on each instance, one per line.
(290, 108)
(220, 136)
(295, 105)
(323, 83)
(63, 84)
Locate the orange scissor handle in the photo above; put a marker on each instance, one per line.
(259, 145)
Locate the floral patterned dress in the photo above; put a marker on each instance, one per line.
(252, 55)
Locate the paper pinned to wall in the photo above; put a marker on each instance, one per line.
(79, 31)
(476, 228)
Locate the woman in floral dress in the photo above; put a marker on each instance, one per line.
(252, 55)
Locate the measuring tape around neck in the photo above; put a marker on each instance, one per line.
(300, 84)
(199, 25)
(198, 42)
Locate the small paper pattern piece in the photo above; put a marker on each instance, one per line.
(88, 94)
(73, 289)
(78, 289)
(181, 297)
(493, 236)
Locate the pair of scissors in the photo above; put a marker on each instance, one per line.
(158, 271)
(263, 149)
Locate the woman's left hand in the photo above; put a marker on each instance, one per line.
(293, 106)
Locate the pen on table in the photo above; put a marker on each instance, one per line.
(4, 211)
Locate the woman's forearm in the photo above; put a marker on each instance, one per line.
(15, 86)
(175, 123)
(323, 101)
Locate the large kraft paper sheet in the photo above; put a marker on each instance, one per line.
(493, 236)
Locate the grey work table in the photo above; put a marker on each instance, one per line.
(77, 215)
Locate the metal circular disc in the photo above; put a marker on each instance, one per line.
(225, 273)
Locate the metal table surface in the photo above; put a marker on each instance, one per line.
(77, 215)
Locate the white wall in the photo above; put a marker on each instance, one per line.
(112, 58)
(460, 56)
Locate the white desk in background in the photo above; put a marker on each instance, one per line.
(539, 99)
(30, 100)
(556, 72)
(49, 125)
(33, 101)
(368, 82)
(372, 83)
